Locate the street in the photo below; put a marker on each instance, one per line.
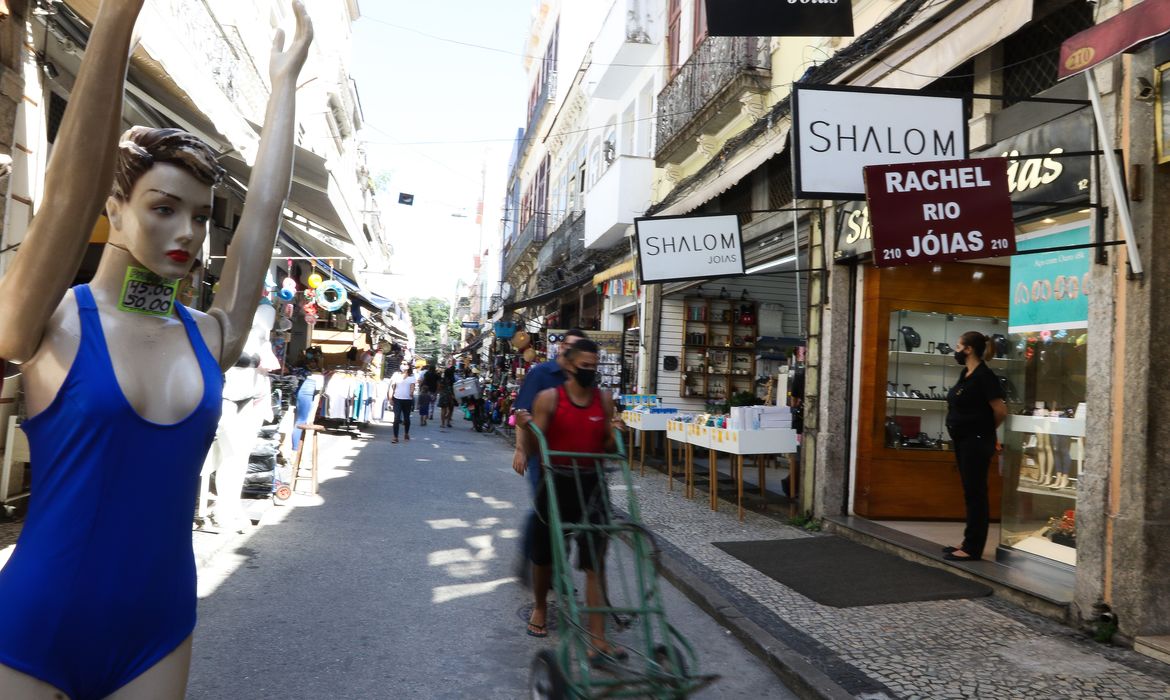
(398, 583)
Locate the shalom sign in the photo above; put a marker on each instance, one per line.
(936, 212)
(779, 18)
(838, 131)
(675, 248)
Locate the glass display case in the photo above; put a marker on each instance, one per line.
(922, 369)
(1044, 444)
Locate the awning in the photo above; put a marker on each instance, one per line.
(753, 156)
(946, 43)
(365, 298)
(623, 268)
(474, 345)
(309, 193)
(547, 296)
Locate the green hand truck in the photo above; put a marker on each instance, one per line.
(660, 662)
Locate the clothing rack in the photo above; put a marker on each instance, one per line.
(351, 415)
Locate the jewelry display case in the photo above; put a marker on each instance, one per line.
(922, 369)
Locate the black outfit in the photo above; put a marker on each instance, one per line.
(971, 423)
(570, 500)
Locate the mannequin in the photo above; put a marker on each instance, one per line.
(246, 407)
(140, 391)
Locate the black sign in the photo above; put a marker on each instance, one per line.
(1045, 177)
(779, 18)
(407, 199)
(854, 236)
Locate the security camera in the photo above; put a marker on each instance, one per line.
(1144, 90)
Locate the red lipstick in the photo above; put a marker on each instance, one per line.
(179, 256)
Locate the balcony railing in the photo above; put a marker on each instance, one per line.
(563, 252)
(534, 232)
(717, 64)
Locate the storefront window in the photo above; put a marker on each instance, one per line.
(1045, 436)
(922, 369)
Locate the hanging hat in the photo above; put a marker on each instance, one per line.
(521, 340)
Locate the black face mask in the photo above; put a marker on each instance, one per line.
(960, 357)
(585, 377)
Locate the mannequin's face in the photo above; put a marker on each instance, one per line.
(165, 221)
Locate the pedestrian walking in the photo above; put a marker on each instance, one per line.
(428, 393)
(574, 417)
(546, 375)
(447, 395)
(402, 386)
(976, 408)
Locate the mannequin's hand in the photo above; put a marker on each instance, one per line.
(287, 64)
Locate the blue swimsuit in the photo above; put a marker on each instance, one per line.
(101, 585)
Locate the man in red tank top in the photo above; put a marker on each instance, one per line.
(575, 417)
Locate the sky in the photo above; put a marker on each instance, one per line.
(436, 114)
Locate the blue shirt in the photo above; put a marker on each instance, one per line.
(546, 375)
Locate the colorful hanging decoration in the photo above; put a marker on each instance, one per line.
(620, 287)
(315, 280)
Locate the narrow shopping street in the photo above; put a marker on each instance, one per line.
(398, 583)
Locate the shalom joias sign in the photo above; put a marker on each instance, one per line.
(940, 211)
(838, 131)
(779, 18)
(676, 248)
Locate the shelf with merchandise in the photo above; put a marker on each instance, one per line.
(718, 348)
(921, 370)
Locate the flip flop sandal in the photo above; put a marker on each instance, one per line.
(537, 630)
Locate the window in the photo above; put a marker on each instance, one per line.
(700, 25)
(594, 162)
(673, 29)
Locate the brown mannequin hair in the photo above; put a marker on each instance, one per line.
(142, 146)
(980, 344)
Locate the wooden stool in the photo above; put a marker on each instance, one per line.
(312, 478)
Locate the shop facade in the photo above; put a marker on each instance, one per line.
(1074, 494)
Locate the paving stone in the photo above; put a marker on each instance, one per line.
(987, 648)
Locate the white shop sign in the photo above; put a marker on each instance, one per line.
(675, 248)
(841, 130)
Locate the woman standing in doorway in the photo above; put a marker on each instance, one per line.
(976, 408)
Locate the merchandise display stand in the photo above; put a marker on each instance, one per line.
(737, 443)
(638, 422)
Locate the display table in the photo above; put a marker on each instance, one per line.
(737, 443)
(637, 421)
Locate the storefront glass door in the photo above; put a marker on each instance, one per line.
(1044, 439)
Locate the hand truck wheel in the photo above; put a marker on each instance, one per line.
(283, 492)
(546, 681)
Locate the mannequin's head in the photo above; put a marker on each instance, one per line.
(160, 204)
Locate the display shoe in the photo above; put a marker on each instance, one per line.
(1061, 482)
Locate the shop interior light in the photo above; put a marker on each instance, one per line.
(769, 265)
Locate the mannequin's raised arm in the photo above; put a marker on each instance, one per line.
(77, 183)
(251, 248)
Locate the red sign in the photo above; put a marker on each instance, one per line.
(1119, 33)
(940, 211)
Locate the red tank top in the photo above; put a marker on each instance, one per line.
(577, 429)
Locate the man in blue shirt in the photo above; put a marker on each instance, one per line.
(546, 375)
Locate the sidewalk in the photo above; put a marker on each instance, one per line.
(976, 648)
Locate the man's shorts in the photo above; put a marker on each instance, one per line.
(569, 503)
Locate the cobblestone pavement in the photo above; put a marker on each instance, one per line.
(976, 648)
